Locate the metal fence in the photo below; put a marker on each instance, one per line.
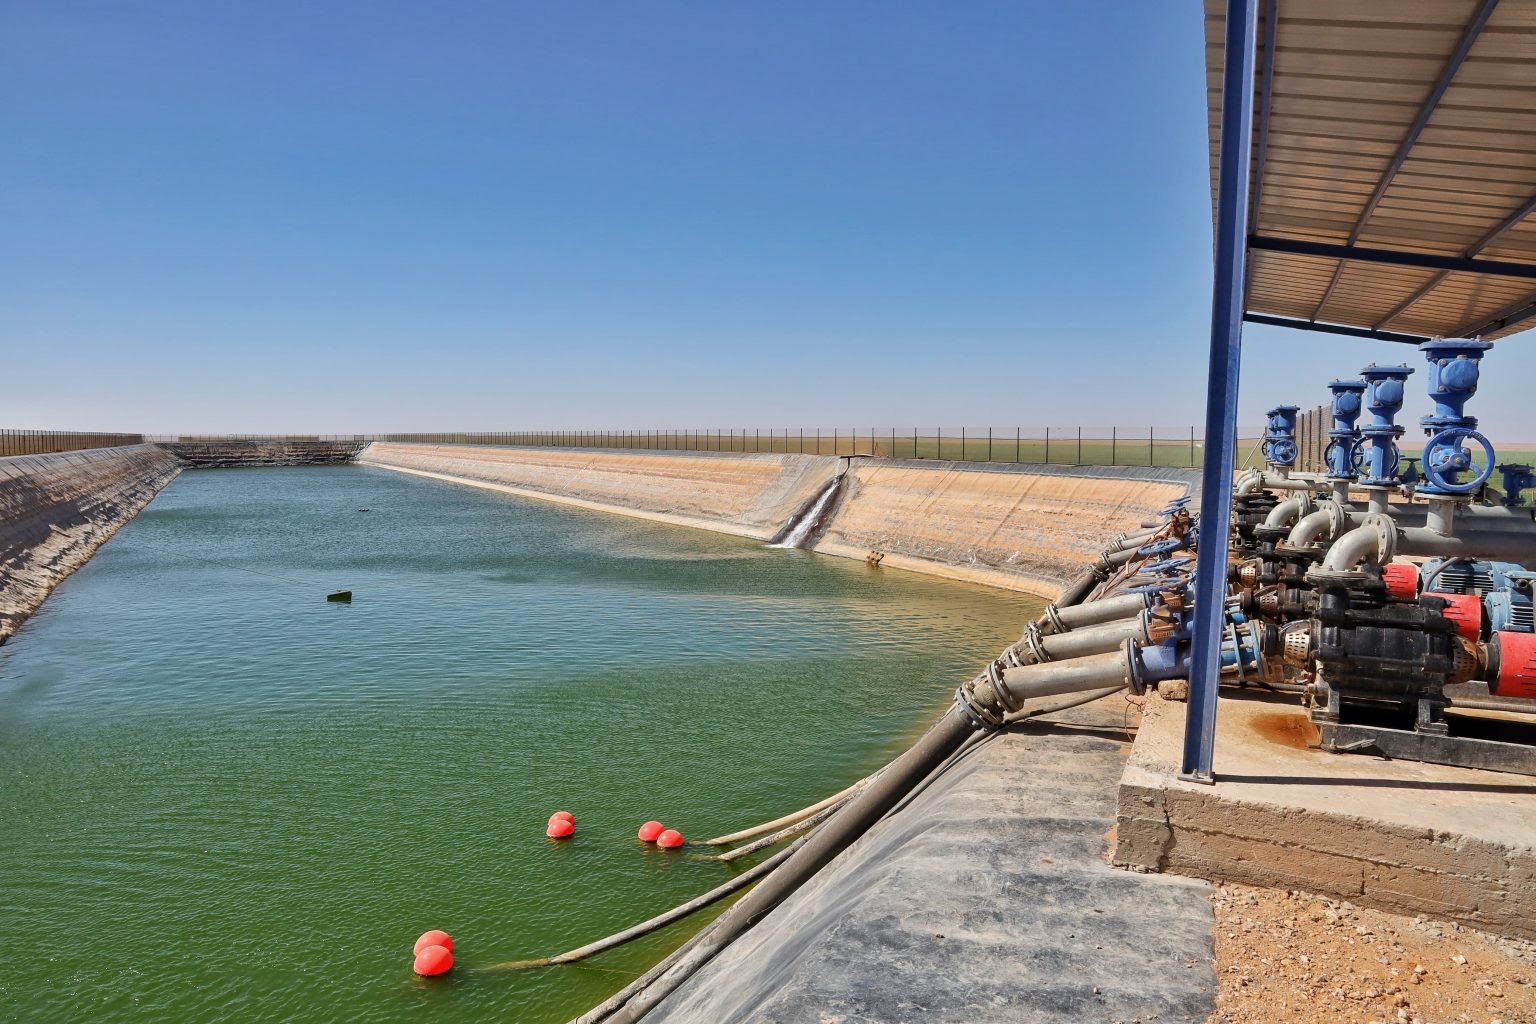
(1083, 446)
(41, 442)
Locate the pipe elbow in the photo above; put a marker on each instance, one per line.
(1287, 512)
(1375, 541)
(1308, 529)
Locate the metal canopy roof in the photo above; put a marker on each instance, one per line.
(1393, 165)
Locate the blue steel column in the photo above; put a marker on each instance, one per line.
(1221, 406)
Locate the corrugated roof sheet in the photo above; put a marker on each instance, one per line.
(1360, 151)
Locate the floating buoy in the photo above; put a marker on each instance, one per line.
(671, 839)
(560, 828)
(433, 960)
(567, 815)
(650, 831)
(435, 937)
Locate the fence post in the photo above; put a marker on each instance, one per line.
(1151, 446)
(989, 444)
(962, 444)
(1079, 446)
(941, 442)
(1047, 446)
(1113, 439)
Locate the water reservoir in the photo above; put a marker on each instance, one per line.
(229, 799)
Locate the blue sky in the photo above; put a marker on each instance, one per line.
(378, 216)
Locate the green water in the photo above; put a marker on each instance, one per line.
(226, 799)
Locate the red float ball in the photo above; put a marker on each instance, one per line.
(650, 830)
(671, 839)
(432, 960)
(435, 937)
(560, 828)
(567, 815)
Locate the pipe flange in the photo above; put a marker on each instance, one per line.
(1338, 518)
(1054, 618)
(981, 717)
(1000, 689)
(1386, 535)
(1033, 641)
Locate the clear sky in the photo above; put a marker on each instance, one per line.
(389, 215)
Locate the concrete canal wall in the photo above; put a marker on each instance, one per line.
(1023, 528)
(235, 453)
(746, 495)
(56, 510)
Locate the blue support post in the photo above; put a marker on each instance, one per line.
(1221, 408)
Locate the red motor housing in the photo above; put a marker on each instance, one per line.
(1466, 611)
(1402, 580)
(1512, 664)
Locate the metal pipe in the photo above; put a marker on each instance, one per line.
(1075, 676)
(1310, 527)
(1350, 550)
(1094, 612)
(1106, 636)
(1288, 511)
(1503, 545)
(1132, 540)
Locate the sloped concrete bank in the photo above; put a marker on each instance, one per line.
(741, 494)
(56, 510)
(1023, 527)
(236, 453)
(1019, 527)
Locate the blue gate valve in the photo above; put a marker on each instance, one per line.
(1280, 447)
(1453, 375)
(1383, 399)
(1343, 440)
(1517, 477)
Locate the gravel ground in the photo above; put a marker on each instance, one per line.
(1304, 959)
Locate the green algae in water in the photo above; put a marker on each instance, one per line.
(227, 800)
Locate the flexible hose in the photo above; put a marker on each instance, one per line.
(656, 923)
(775, 838)
(791, 818)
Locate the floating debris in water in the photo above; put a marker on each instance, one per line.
(344, 596)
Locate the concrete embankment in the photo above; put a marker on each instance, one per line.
(56, 510)
(236, 453)
(746, 495)
(1020, 527)
(1026, 527)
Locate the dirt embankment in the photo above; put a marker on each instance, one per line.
(56, 510)
(1304, 959)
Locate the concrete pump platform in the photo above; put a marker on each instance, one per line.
(1401, 836)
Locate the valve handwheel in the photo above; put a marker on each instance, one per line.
(1282, 451)
(1444, 453)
